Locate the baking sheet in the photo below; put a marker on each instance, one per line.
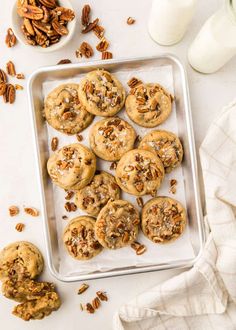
(181, 249)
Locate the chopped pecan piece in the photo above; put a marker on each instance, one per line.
(10, 67)
(31, 211)
(96, 303)
(20, 76)
(102, 45)
(79, 137)
(106, 55)
(86, 50)
(85, 15)
(65, 14)
(65, 61)
(102, 295)
(3, 87)
(130, 20)
(89, 308)
(133, 82)
(10, 38)
(83, 288)
(18, 87)
(90, 26)
(19, 227)
(13, 210)
(99, 31)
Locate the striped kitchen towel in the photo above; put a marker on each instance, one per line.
(203, 297)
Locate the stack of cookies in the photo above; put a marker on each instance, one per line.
(111, 222)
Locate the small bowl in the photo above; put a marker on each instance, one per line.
(17, 21)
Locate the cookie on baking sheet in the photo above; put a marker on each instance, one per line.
(167, 147)
(163, 219)
(102, 189)
(79, 238)
(117, 224)
(72, 167)
(64, 112)
(140, 172)
(20, 260)
(148, 105)
(110, 138)
(101, 93)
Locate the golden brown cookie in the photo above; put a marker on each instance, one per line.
(72, 167)
(101, 93)
(167, 147)
(111, 138)
(148, 105)
(20, 260)
(140, 172)
(79, 238)
(64, 112)
(163, 219)
(117, 224)
(102, 189)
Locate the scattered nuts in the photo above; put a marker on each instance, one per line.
(102, 295)
(10, 38)
(13, 210)
(106, 55)
(3, 76)
(54, 143)
(85, 50)
(11, 68)
(83, 288)
(130, 21)
(65, 61)
(9, 94)
(31, 211)
(20, 227)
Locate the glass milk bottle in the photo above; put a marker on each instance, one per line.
(169, 20)
(215, 43)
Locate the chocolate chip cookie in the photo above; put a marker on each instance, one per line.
(148, 105)
(163, 219)
(101, 93)
(167, 147)
(117, 224)
(102, 189)
(64, 111)
(140, 172)
(72, 167)
(110, 138)
(20, 260)
(79, 238)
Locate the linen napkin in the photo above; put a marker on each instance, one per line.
(203, 297)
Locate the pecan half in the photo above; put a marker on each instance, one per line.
(65, 14)
(86, 50)
(106, 55)
(59, 28)
(48, 3)
(10, 38)
(65, 61)
(99, 31)
(139, 248)
(83, 288)
(31, 211)
(69, 195)
(70, 207)
(54, 143)
(102, 45)
(3, 87)
(102, 295)
(46, 15)
(13, 210)
(19, 227)
(89, 308)
(133, 82)
(140, 201)
(10, 94)
(10, 67)
(44, 27)
(28, 26)
(130, 20)
(85, 15)
(90, 26)
(96, 303)
(3, 76)
(31, 12)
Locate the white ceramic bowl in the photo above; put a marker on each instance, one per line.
(17, 22)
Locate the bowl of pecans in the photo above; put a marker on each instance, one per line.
(44, 25)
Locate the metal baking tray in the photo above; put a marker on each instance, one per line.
(189, 165)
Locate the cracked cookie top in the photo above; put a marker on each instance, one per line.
(163, 219)
(101, 93)
(148, 105)
(117, 224)
(110, 138)
(72, 167)
(64, 111)
(140, 172)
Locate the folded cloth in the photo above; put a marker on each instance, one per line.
(203, 297)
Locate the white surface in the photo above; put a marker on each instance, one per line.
(18, 183)
(179, 250)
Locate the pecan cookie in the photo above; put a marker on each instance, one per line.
(101, 93)
(39, 308)
(102, 189)
(163, 219)
(140, 172)
(72, 167)
(20, 260)
(79, 238)
(64, 112)
(117, 224)
(110, 138)
(148, 105)
(167, 147)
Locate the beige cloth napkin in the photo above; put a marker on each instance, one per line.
(203, 297)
